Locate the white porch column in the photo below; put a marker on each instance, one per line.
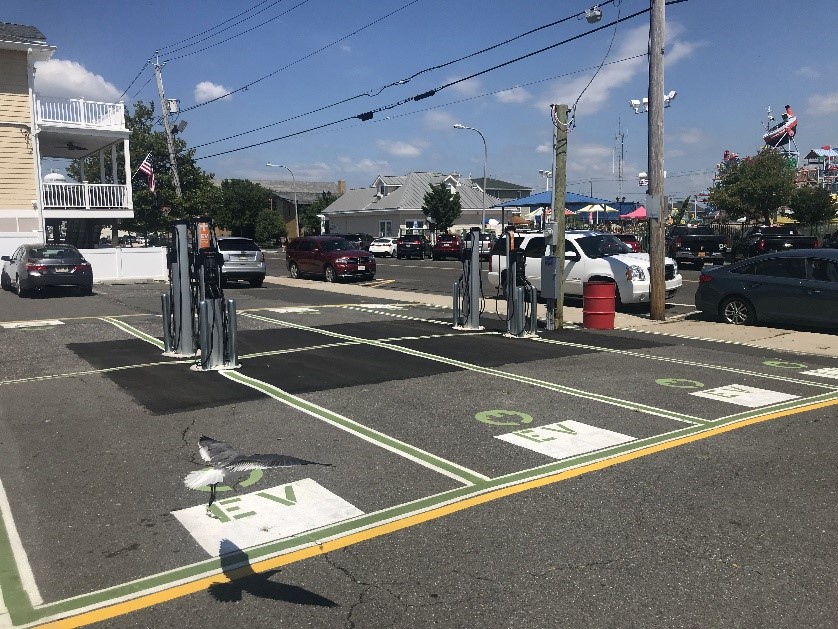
(129, 192)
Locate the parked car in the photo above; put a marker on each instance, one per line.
(589, 256)
(384, 246)
(413, 247)
(243, 260)
(333, 258)
(359, 241)
(696, 245)
(631, 240)
(798, 286)
(766, 239)
(35, 266)
(447, 246)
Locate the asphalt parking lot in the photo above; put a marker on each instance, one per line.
(604, 478)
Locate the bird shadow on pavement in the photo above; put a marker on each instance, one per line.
(236, 566)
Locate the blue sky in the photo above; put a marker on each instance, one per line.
(728, 62)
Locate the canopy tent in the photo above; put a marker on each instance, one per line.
(598, 208)
(639, 213)
(572, 200)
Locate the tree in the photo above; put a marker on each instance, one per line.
(442, 207)
(269, 226)
(755, 187)
(243, 200)
(813, 205)
(308, 214)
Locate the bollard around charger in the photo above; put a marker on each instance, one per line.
(598, 305)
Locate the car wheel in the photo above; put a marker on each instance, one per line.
(330, 274)
(294, 270)
(4, 282)
(19, 289)
(256, 282)
(738, 311)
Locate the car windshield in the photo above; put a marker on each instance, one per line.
(237, 244)
(336, 244)
(54, 252)
(446, 237)
(602, 245)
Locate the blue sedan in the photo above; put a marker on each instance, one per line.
(797, 287)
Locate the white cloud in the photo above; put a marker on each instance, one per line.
(345, 48)
(61, 78)
(689, 136)
(398, 148)
(471, 87)
(207, 90)
(823, 104)
(808, 72)
(590, 160)
(544, 148)
(362, 166)
(515, 95)
(438, 120)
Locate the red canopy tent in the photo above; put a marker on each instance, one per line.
(639, 213)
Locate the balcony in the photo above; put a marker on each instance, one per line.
(85, 196)
(80, 114)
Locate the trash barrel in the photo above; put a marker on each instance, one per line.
(598, 305)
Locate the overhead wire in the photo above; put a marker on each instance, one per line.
(212, 28)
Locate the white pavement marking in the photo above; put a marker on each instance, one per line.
(265, 516)
(826, 372)
(745, 395)
(27, 578)
(294, 310)
(32, 324)
(564, 439)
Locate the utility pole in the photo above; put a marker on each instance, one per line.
(560, 123)
(164, 108)
(655, 200)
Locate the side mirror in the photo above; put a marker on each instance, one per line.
(5, 258)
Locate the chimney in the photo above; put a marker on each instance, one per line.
(341, 187)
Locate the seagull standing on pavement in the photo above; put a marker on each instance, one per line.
(227, 463)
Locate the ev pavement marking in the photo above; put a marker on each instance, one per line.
(265, 516)
(564, 439)
(156, 589)
(426, 459)
(645, 408)
(826, 372)
(134, 331)
(46, 323)
(24, 570)
(743, 395)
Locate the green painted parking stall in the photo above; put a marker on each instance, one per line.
(418, 421)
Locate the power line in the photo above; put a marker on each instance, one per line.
(212, 28)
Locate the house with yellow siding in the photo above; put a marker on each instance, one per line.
(36, 206)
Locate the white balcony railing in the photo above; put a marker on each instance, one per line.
(85, 196)
(80, 113)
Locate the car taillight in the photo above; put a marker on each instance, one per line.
(761, 245)
(679, 242)
(704, 278)
(38, 268)
(81, 267)
(817, 244)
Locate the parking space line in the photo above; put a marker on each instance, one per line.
(645, 408)
(133, 331)
(426, 459)
(87, 372)
(25, 584)
(157, 589)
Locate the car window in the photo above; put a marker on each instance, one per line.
(602, 245)
(237, 244)
(823, 270)
(535, 248)
(781, 267)
(336, 244)
(447, 238)
(54, 252)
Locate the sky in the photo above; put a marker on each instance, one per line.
(283, 81)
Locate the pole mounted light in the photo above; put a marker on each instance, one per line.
(485, 160)
(294, 181)
(548, 175)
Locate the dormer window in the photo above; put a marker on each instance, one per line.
(382, 189)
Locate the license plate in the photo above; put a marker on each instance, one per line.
(61, 269)
(700, 254)
(242, 257)
(361, 267)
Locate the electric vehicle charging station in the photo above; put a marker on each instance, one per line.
(202, 322)
(467, 291)
(521, 296)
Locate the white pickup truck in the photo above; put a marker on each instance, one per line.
(589, 256)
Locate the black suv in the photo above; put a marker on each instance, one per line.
(413, 247)
(359, 241)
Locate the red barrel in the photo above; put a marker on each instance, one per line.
(598, 305)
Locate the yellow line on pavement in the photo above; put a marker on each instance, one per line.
(178, 591)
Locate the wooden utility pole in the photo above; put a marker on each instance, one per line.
(167, 125)
(559, 118)
(656, 205)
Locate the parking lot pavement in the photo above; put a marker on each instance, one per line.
(430, 432)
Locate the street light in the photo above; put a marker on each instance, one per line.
(485, 159)
(294, 181)
(548, 175)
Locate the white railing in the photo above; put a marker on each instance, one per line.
(80, 113)
(85, 195)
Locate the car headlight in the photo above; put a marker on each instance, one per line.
(635, 273)
(342, 260)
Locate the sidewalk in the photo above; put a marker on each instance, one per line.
(823, 344)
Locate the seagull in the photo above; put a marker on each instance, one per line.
(227, 463)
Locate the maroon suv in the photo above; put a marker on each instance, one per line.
(447, 246)
(332, 257)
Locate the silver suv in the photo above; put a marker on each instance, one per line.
(243, 260)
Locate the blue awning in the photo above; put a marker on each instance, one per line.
(546, 198)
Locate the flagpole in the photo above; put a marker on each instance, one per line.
(147, 157)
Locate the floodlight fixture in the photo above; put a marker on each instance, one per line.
(594, 14)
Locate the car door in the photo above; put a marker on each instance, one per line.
(574, 270)
(303, 256)
(821, 290)
(776, 288)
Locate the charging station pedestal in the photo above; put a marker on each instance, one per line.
(466, 309)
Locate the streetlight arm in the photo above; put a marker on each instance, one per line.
(294, 182)
(485, 162)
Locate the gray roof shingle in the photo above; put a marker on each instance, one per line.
(22, 34)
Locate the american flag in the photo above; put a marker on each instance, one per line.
(148, 169)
